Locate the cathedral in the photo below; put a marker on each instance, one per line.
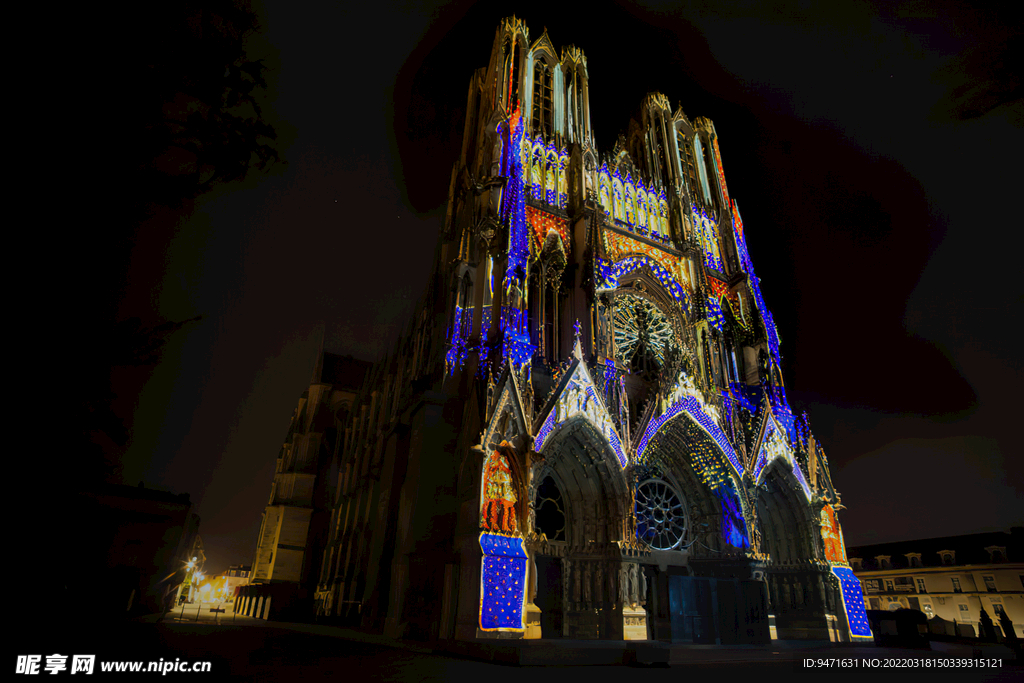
(584, 432)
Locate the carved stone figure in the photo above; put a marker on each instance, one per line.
(566, 575)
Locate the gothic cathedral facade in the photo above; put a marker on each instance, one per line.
(585, 432)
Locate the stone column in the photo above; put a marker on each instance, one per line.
(532, 616)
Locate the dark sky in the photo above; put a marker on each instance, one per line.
(872, 153)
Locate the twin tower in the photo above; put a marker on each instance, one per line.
(584, 432)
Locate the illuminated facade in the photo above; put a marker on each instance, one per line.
(585, 432)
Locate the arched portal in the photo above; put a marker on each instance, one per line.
(706, 589)
(581, 504)
(804, 597)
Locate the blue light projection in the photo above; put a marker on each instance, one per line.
(609, 377)
(503, 582)
(747, 396)
(563, 162)
(727, 404)
(692, 407)
(755, 287)
(609, 274)
(516, 338)
(714, 311)
(513, 210)
(783, 413)
(579, 398)
(516, 344)
(853, 602)
(707, 231)
(773, 447)
(734, 528)
(458, 346)
(545, 430)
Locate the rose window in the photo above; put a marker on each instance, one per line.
(660, 515)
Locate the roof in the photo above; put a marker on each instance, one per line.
(968, 549)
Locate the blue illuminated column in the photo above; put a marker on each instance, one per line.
(502, 583)
(853, 603)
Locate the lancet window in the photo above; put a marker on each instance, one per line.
(689, 171)
(543, 102)
(618, 198)
(702, 169)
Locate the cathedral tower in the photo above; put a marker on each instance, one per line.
(585, 432)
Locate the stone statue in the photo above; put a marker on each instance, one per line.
(624, 584)
(602, 330)
(633, 588)
(566, 573)
(643, 587)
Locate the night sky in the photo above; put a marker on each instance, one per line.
(872, 152)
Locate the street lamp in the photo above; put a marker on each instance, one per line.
(186, 585)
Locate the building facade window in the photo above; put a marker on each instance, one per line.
(921, 587)
(956, 585)
(542, 98)
(990, 584)
(996, 554)
(889, 587)
(702, 169)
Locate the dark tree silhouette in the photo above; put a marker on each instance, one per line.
(181, 97)
(196, 111)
